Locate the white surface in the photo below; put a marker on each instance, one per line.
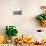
(25, 23)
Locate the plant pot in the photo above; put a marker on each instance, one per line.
(43, 23)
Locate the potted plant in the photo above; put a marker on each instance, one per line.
(42, 17)
(10, 31)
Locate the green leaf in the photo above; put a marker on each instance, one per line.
(40, 18)
(45, 16)
(10, 31)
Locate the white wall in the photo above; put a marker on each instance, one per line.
(25, 23)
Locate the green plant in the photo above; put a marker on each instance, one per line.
(11, 31)
(41, 17)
